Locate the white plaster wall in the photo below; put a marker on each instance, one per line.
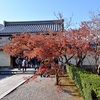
(4, 59)
(3, 39)
(87, 61)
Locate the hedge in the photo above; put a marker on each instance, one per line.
(87, 83)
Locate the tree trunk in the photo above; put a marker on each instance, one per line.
(98, 70)
(57, 80)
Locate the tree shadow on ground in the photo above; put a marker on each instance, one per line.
(4, 76)
(68, 86)
(4, 73)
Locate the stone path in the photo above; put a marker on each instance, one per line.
(12, 88)
(10, 82)
(40, 89)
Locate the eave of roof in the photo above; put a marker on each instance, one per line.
(31, 26)
(33, 22)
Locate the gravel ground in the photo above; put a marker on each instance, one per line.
(39, 89)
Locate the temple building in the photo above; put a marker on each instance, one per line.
(9, 28)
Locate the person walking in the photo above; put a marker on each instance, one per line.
(24, 64)
(18, 62)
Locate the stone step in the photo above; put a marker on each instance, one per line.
(16, 72)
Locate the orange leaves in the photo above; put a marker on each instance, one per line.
(34, 76)
(59, 89)
(37, 51)
(48, 46)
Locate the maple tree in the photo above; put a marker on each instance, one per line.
(73, 43)
(79, 43)
(94, 28)
(50, 45)
(41, 45)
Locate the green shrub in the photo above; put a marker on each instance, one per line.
(85, 81)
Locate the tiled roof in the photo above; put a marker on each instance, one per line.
(31, 26)
(1, 26)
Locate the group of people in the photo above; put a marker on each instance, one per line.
(24, 63)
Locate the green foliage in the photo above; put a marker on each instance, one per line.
(85, 81)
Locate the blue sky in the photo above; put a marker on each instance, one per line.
(30, 10)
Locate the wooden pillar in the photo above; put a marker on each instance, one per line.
(11, 62)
